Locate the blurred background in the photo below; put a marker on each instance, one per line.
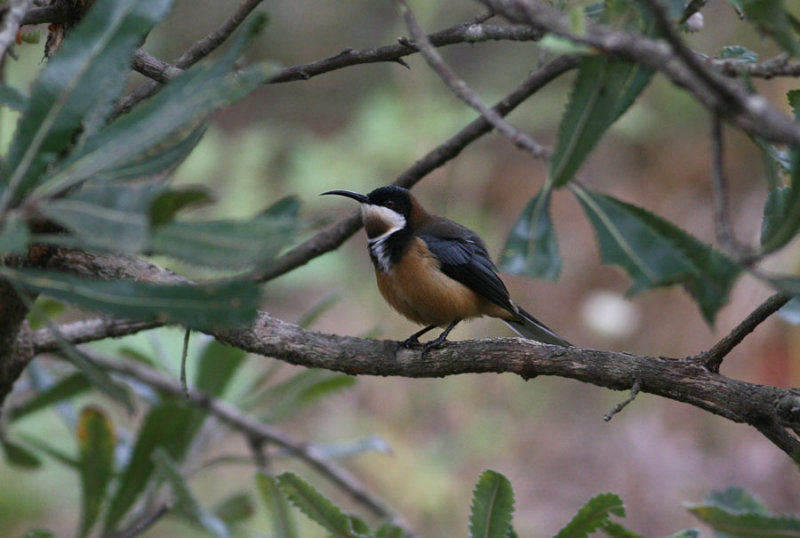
(360, 127)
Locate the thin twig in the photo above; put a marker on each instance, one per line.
(712, 358)
(256, 430)
(147, 521)
(464, 92)
(11, 23)
(637, 386)
(184, 353)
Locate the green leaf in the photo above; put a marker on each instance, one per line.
(19, 456)
(737, 500)
(532, 247)
(772, 19)
(201, 306)
(604, 89)
(112, 217)
(218, 363)
(96, 443)
(164, 426)
(79, 83)
(39, 533)
(56, 453)
(280, 515)
(492, 506)
(12, 97)
(302, 389)
(687, 533)
(654, 252)
(226, 244)
(593, 515)
(737, 52)
(14, 237)
(317, 507)
(782, 210)
(612, 529)
(66, 388)
(181, 103)
(235, 509)
(738, 523)
(185, 504)
(166, 205)
(389, 530)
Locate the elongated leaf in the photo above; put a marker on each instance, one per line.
(655, 252)
(203, 306)
(113, 217)
(225, 244)
(193, 95)
(57, 454)
(592, 515)
(532, 248)
(612, 529)
(302, 389)
(218, 363)
(79, 82)
(185, 504)
(96, 443)
(166, 205)
(235, 509)
(281, 517)
(12, 97)
(737, 500)
(772, 19)
(687, 533)
(604, 89)
(163, 426)
(746, 523)
(70, 386)
(782, 210)
(19, 456)
(14, 237)
(492, 506)
(317, 507)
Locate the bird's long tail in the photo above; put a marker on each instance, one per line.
(529, 327)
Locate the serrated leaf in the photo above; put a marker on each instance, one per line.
(532, 247)
(492, 506)
(737, 499)
(166, 205)
(218, 362)
(68, 387)
(283, 523)
(604, 89)
(235, 509)
(191, 96)
(783, 221)
(316, 506)
(225, 244)
(19, 456)
(202, 306)
(592, 515)
(654, 252)
(78, 83)
(96, 444)
(185, 504)
(389, 530)
(164, 426)
(12, 97)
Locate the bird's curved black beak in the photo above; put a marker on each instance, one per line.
(349, 194)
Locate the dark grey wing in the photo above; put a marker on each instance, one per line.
(463, 257)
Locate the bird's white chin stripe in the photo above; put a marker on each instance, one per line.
(392, 220)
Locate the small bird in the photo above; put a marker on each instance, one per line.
(434, 271)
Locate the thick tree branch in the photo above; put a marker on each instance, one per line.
(751, 112)
(256, 430)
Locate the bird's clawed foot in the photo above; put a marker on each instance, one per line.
(413, 342)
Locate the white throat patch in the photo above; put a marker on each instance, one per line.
(390, 221)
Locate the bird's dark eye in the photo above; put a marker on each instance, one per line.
(389, 204)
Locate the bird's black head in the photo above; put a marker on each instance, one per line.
(384, 210)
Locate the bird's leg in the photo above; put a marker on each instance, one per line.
(413, 340)
(433, 344)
